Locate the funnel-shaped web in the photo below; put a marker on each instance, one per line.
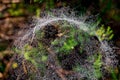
(75, 53)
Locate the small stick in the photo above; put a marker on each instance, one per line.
(24, 67)
(8, 67)
(57, 71)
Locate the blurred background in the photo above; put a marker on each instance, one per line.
(16, 15)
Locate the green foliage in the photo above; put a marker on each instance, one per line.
(37, 12)
(71, 38)
(2, 67)
(39, 1)
(17, 12)
(28, 53)
(97, 65)
(113, 73)
(25, 9)
(39, 35)
(70, 44)
(104, 34)
(34, 54)
(16, 9)
(49, 4)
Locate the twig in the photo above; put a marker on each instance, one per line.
(8, 67)
(18, 77)
(57, 71)
(24, 67)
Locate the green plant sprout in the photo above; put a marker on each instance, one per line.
(32, 54)
(37, 56)
(113, 73)
(70, 42)
(71, 38)
(29, 52)
(97, 65)
(104, 34)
